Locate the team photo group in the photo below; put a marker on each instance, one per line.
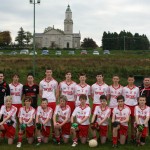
(79, 112)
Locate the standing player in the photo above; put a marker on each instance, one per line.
(81, 125)
(8, 124)
(49, 89)
(131, 94)
(26, 116)
(114, 91)
(16, 92)
(101, 115)
(82, 88)
(31, 89)
(99, 88)
(61, 119)
(67, 88)
(120, 119)
(43, 121)
(141, 119)
(4, 89)
(145, 91)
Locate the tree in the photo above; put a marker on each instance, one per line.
(5, 38)
(28, 37)
(21, 37)
(88, 43)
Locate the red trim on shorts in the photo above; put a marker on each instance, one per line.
(93, 107)
(66, 128)
(18, 106)
(83, 130)
(72, 105)
(132, 110)
(123, 130)
(45, 131)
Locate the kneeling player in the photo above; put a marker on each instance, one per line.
(141, 120)
(43, 117)
(80, 127)
(120, 119)
(8, 124)
(61, 119)
(101, 115)
(26, 116)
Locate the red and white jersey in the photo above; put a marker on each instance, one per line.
(121, 115)
(68, 90)
(80, 113)
(16, 93)
(12, 112)
(97, 90)
(44, 114)
(82, 90)
(49, 89)
(114, 92)
(131, 95)
(62, 113)
(142, 114)
(27, 115)
(101, 114)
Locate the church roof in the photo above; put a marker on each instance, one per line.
(50, 28)
(68, 8)
(76, 35)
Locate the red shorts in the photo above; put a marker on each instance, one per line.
(103, 130)
(144, 132)
(93, 107)
(10, 131)
(30, 131)
(132, 110)
(72, 105)
(83, 130)
(18, 106)
(123, 130)
(52, 105)
(46, 131)
(66, 128)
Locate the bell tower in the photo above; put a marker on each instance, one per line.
(68, 22)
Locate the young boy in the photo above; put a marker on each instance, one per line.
(120, 119)
(61, 119)
(26, 116)
(80, 127)
(101, 115)
(8, 124)
(141, 119)
(43, 121)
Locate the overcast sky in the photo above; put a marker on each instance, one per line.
(90, 17)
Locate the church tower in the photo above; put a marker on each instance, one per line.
(68, 22)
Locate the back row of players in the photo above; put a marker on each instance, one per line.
(49, 89)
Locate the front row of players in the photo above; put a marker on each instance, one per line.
(77, 125)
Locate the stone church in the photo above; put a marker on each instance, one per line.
(56, 38)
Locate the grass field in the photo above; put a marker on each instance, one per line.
(119, 62)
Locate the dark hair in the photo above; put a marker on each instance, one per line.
(30, 74)
(1, 72)
(48, 68)
(16, 74)
(83, 96)
(120, 97)
(103, 97)
(115, 75)
(82, 74)
(28, 98)
(130, 76)
(68, 71)
(146, 77)
(100, 73)
(141, 96)
(44, 99)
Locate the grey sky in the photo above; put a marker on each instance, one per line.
(91, 17)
